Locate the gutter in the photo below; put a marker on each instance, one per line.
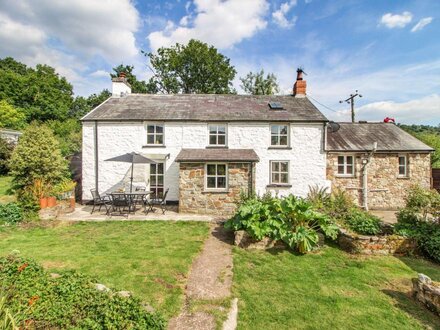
(366, 162)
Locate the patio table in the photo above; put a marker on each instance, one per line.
(132, 198)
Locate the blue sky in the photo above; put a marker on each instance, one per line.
(388, 50)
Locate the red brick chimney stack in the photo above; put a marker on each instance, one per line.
(300, 86)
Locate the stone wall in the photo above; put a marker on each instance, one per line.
(194, 198)
(382, 245)
(386, 190)
(427, 292)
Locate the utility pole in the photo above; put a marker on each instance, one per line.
(350, 100)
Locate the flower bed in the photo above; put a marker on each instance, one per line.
(380, 244)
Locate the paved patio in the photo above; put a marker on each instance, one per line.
(82, 213)
(385, 216)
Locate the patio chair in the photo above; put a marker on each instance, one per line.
(139, 188)
(120, 203)
(160, 202)
(100, 201)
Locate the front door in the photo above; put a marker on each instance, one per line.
(157, 179)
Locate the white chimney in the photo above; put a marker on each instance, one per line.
(120, 86)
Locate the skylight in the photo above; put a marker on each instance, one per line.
(275, 106)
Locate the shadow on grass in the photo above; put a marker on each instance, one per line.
(413, 308)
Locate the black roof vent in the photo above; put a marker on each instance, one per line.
(275, 106)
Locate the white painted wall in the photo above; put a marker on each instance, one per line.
(307, 159)
(119, 88)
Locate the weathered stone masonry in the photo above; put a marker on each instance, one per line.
(386, 190)
(194, 198)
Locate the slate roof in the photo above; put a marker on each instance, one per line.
(223, 155)
(205, 107)
(361, 137)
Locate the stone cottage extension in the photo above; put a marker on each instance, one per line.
(377, 163)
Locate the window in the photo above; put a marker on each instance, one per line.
(403, 166)
(279, 172)
(279, 135)
(346, 165)
(217, 135)
(155, 134)
(216, 176)
(156, 179)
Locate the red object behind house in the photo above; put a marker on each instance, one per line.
(389, 120)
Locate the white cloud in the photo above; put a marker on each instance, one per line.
(421, 24)
(415, 111)
(279, 16)
(396, 21)
(100, 74)
(220, 23)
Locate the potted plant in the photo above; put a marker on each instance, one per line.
(40, 189)
(65, 190)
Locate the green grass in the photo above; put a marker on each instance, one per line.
(151, 259)
(5, 185)
(329, 290)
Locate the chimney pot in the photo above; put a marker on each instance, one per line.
(121, 74)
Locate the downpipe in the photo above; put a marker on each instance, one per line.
(366, 162)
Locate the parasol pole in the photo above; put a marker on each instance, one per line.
(131, 178)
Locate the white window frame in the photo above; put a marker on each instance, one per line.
(217, 134)
(279, 172)
(216, 176)
(345, 165)
(279, 135)
(154, 134)
(157, 175)
(405, 166)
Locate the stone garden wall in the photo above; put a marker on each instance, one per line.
(194, 198)
(427, 292)
(386, 190)
(378, 245)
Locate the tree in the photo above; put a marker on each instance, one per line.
(6, 148)
(192, 68)
(37, 156)
(82, 106)
(137, 86)
(10, 117)
(40, 92)
(257, 84)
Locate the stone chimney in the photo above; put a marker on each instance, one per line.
(120, 86)
(300, 86)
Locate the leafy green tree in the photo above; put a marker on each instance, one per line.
(11, 117)
(192, 68)
(37, 156)
(82, 106)
(6, 148)
(40, 92)
(257, 84)
(430, 135)
(68, 135)
(137, 86)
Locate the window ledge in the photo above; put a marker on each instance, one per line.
(217, 147)
(154, 146)
(215, 191)
(401, 177)
(345, 176)
(279, 148)
(279, 186)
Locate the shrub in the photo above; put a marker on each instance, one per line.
(414, 220)
(69, 301)
(37, 156)
(10, 213)
(319, 197)
(6, 149)
(290, 219)
(363, 222)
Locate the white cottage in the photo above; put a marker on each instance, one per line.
(208, 148)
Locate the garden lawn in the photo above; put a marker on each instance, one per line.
(5, 185)
(151, 259)
(329, 290)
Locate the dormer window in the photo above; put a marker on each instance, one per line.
(279, 135)
(217, 134)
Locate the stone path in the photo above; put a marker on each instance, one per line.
(210, 278)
